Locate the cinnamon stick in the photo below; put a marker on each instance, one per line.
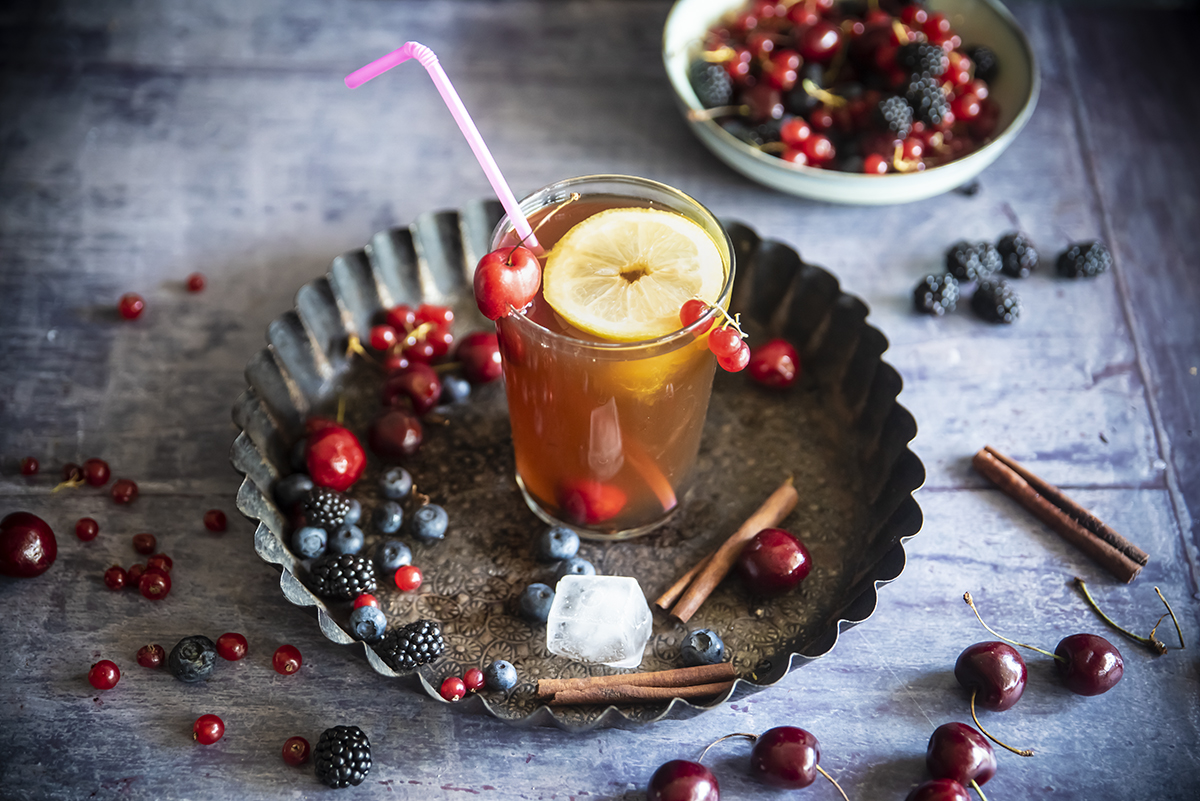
(672, 594)
(675, 678)
(773, 510)
(1084, 517)
(629, 693)
(1017, 488)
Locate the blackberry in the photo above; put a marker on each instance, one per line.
(922, 58)
(995, 301)
(325, 508)
(342, 756)
(967, 261)
(895, 115)
(344, 576)
(936, 294)
(927, 99)
(1084, 260)
(1018, 256)
(409, 646)
(986, 64)
(711, 82)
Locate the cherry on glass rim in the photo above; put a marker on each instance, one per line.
(506, 279)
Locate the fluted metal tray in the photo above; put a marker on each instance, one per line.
(839, 431)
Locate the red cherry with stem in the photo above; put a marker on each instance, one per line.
(160, 561)
(29, 466)
(395, 434)
(682, 780)
(104, 675)
(208, 729)
(381, 337)
(775, 364)
(420, 384)
(442, 316)
(131, 306)
(154, 584)
(473, 680)
(773, 562)
(124, 491)
(453, 689)
(506, 279)
(296, 751)
(786, 756)
(115, 577)
(215, 520)
(196, 282)
(232, 646)
(441, 339)
(144, 543)
(417, 348)
(725, 341)
(479, 353)
(366, 599)
(286, 660)
(86, 529)
(402, 318)
(27, 545)
(151, 656)
(993, 672)
(96, 472)
(334, 457)
(590, 501)
(691, 313)
(939, 790)
(408, 577)
(958, 752)
(738, 361)
(1089, 664)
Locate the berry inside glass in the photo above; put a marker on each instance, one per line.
(606, 421)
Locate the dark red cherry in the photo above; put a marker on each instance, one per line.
(27, 545)
(994, 671)
(1093, 664)
(479, 353)
(395, 434)
(939, 790)
(956, 751)
(420, 384)
(773, 562)
(820, 42)
(681, 780)
(96, 472)
(785, 756)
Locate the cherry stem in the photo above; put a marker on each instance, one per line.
(734, 322)
(901, 34)
(751, 737)
(1025, 753)
(1153, 643)
(978, 790)
(718, 111)
(971, 603)
(341, 412)
(828, 98)
(76, 482)
(1174, 619)
(570, 199)
(832, 781)
(355, 346)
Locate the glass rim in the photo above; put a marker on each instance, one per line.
(699, 325)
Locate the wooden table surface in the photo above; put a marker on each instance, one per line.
(140, 142)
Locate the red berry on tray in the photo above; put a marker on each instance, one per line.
(296, 751)
(29, 466)
(420, 384)
(395, 434)
(506, 279)
(381, 337)
(154, 584)
(86, 529)
(160, 561)
(208, 729)
(215, 520)
(334, 457)
(196, 282)
(473, 680)
(479, 353)
(144, 544)
(408, 578)
(131, 306)
(286, 660)
(104, 675)
(151, 656)
(773, 562)
(124, 491)
(366, 599)
(27, 545)
(453, 689)
(232, 646)
(775, 364)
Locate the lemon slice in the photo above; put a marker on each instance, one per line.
(623, 274)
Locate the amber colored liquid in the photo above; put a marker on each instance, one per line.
(605, 438)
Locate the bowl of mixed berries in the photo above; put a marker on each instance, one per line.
(857, 101)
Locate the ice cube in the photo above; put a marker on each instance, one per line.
(599, 619)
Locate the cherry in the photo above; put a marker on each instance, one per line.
(820, 42)
(764, 102)
(966, 106)
(232, 646)
(395, 361)
(590, 501)
(382, 337)
(473, 680)
(775, 364)
(131, 306)
(151, 656)
(27, 545)
(286, 659)
(86, 529)
(96, 472)
(104, 675)
(818, 148)
(334, 458)
(133, 575)
(1089, 664)
(419, 383)
(453, 689)
(160, 561)
(506, 279)
(441, 339)
(124, 491)
(441, 316)
(479, 353)
(725, 341)
(958, 752)
(366, 599)
(794, 131)
(781, 71)
(408, 578)
(144, 543)
(29, 466)
(993, 672)
(939, 790)
(208, 729)
(401, 318)
(793, 156)
(215, 520)
(681, 780)
(875, 164)
(418, 349)
(115, 578)
(786, 756)
(395, 434)
(773, 562)
(296, 751)
(738, 361)
(196, 282)
(154, 584)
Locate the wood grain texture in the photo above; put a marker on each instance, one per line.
(141, 142)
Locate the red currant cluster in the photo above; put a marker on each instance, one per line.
(131, 304)
(774, 364)
(455, 689)
(873, 89)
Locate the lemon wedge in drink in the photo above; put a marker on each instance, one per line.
(623, 274)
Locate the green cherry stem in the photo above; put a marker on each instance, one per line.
(834, 782)
(1152, 642)
(971, 603)
(978, 790)
(1019, 752)
(751, 737)
(1174, 619)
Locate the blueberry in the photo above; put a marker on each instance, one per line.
(309, 542)
(192, 658)
(557, 543)
(455, 389)
(535, 602)
(430, 522)
(702, 647)
(500, 675)
(347, 539)
(575, 566)
(290, 489)
(396, 483)
(299, 455)
(353, 514)
(387, 517)
(367, 623)
(390, 555)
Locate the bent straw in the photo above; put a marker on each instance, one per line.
(429, 60)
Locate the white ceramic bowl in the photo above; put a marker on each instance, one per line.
(978, 22)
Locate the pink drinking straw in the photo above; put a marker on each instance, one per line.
(429, 60)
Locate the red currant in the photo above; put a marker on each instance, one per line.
(133, 575)
(160, 561)
(737, 361)
(131, 306)
(151, 656)
(775, 364)
(196, 282)
(154, 584)
(408, 578)
(794, 132)
(366, 599)
(965, 106)
(208, 729)
(286, 659)
(875, 164)
(115, 577)
(232, 646)
(453, 689)
(441, 339)
(796, 157)
(395, 434)
(215, 520)
(913, 150)
(96, 472)
(382, 337)
(124, 491)
(104, 675)
(296, 751)
(418, 348)
(473, 680)
(29, 466)
(144, 543)
(86, 529)
(691, 312)
(725, 341)
(819, 149)
(820, 42)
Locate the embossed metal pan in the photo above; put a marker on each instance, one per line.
(839, 431)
